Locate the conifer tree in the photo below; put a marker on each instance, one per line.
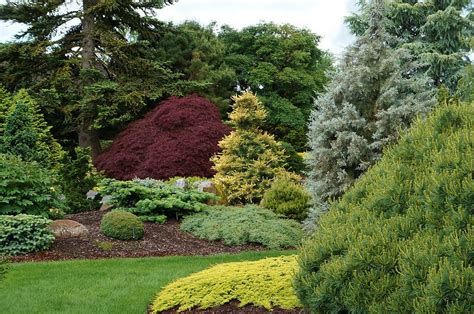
(27, 135)
(437, 32)
(250, 158)
(81, 57)
(375, 91)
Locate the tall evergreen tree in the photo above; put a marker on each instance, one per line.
(198, 54)
(250, 158)
(81, 55)
(375, 91)
(439, 32)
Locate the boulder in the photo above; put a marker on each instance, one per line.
(107, 199)
(105, 207)
(181, 183)
(66, 228)
(207, 186)
(106, 203)
(91, 195)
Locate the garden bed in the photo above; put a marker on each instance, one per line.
(159, 240)
(233, 307)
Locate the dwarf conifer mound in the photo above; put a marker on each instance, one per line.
(177, 138)
(265, 283)
(400, 240)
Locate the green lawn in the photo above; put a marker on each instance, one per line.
(101, 286)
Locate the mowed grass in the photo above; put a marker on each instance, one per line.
(101, 286)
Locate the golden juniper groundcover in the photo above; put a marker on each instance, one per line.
(266, 283)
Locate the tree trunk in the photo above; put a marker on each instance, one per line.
(87, 136)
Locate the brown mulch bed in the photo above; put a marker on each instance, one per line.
(233, 307)
(159, 240)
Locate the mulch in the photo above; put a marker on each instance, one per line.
(233, 307)
(159, 240)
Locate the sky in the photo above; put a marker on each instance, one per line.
(323, 17)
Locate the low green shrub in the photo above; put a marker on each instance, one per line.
(288, 198)
(23, 234)
(149, 197)
(27, 188)
(122, 225)
(401, 239)
(241, 225)
(264, 283)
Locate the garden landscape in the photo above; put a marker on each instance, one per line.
(157, 166)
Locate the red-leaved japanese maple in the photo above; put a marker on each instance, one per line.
(177, 138)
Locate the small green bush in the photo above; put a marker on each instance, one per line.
(78, 176)
(288, 198)
(149, 197)
(27, 188)
(241, 225)
(23, 234)
(401, 239)
(122, 225)
(265, 283)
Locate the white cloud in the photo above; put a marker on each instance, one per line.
(323, 17)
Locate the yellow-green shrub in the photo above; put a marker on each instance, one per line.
(287, 197)
(400, 240)
(250, 158)
(264, 283)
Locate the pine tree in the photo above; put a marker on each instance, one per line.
(439, 33)
(27, 135)
(83, 58)
(375, 91)
(250, 158)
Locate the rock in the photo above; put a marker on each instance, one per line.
(105, 207)
(181, 183)
(66, 228)
(106, 199)
(207, 186)
(91, 195)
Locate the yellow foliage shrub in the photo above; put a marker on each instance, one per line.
(250, 158)
(265, 283)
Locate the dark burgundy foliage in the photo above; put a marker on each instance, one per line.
(177, 138)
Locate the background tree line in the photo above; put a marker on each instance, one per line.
(96, 66)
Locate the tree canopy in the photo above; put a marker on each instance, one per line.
(283, 65)
(438, 32)
(87, 61)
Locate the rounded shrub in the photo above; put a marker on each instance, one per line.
(288, 198)
(122, 225)
(400, 240)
